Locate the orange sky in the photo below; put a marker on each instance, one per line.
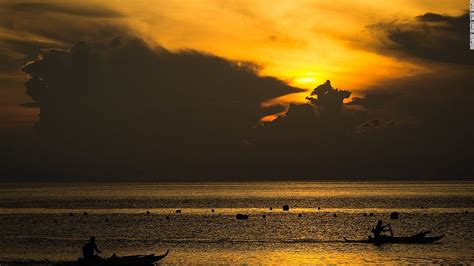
(304, 42)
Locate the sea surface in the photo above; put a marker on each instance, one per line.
(48, 221)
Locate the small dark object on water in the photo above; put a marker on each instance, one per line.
(334, 215)
(85, 213)
(147, 212)
(466, 211)
(70, 214)
(299, 214)
(240, 216)
(371, 214)
(55, 221)
(178, 211)
(422, 207)
(212, 210)
(365, 214)
(167, 217)
(264, 216)
(394, 215)
(106, 219)
(271, 208)
(319, 208)
(286, 207)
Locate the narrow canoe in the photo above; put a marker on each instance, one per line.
(415, 239)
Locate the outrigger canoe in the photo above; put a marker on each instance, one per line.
(419, 238)
(137, 260)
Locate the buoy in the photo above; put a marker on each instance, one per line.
(466, 211)
(55, 221)
(371, 214)
(319, 208)
(271, 208)
(85, 213)
(212, 210)
(106, 219)
(286, 207)
(334, 215)
(147, 212)
(394, 215)
(240, 216)
(178, 211)
(70, 214)
(299, 214)
(365, 214)
(264, 216)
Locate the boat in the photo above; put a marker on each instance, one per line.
(136, 260)
(419, 238)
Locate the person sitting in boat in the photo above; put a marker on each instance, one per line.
(380, 228)
(89, 248)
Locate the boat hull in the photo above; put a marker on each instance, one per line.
(415, 239)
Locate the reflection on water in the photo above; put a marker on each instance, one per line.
(117, 217)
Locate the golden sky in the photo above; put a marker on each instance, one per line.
(303, 42)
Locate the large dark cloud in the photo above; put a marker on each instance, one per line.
(433, 37)
(127, 104)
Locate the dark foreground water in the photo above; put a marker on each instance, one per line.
(36, 221)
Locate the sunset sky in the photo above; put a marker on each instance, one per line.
(359, 45)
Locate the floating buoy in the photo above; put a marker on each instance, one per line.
(264, 216)
(371, 214)
(85, 213)
(334, 215)
(299, 214)
(286, 207)
(147, 212)
(271, 208)
(55, 221)
(240, 216)
(365, 214)
(212, 210)
(319, 208)
(394, 215)
(178, 211)
(466, 211)
(106, 219)
(70, 214)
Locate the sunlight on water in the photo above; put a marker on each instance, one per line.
(39, 221)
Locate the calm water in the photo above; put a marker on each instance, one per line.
(117, 217)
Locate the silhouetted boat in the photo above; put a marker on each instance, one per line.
(419, 238)
(137, 260)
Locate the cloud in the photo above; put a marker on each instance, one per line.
(90, 11)
(432, 37)
(27, 28)
(126, 103)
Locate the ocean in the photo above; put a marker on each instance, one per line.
(49, 221)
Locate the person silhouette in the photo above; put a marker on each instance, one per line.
(89, 248)
(380, 228)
